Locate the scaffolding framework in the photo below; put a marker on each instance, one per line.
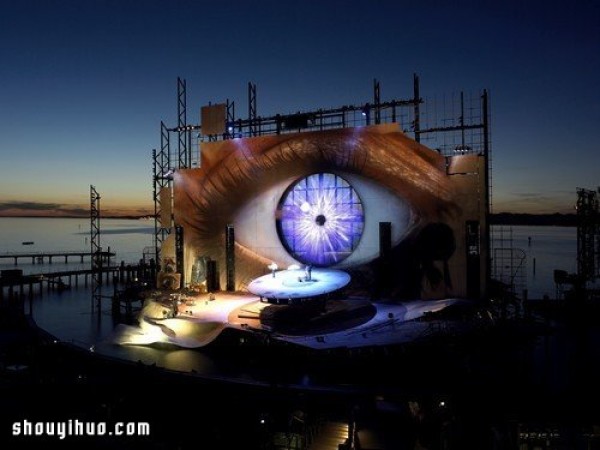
(253, 125)
(377, 101)
(161, 180)
(96, 249)
(588, 235)
(183, 132)
(451, 125)
(509, 263)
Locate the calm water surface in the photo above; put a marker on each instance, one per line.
(127, 238)
(550, 248)
(554, 365)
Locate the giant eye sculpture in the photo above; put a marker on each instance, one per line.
(320, 219)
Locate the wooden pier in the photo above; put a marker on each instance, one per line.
(40, 257)
(14, 285)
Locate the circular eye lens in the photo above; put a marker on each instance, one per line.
(320, 219)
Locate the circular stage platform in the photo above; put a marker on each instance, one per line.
(292, 284)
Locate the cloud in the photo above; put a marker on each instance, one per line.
(29, 206)
(74, 211)
(41, 209)
(45, 209)
(547, 202)
(529, 195)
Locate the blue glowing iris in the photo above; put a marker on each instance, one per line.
(320, 219)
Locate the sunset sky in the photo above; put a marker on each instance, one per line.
(84, 84)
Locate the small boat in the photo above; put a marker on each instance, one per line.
(28, 243)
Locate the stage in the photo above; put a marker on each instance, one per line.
(295, 283)
(194, 321)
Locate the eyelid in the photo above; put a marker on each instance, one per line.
(257, 230)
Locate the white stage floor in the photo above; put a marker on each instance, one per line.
(201, 319)
(292, 284)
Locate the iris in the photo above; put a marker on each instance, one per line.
(321, 219)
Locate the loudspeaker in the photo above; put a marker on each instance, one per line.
(212, 276)
(472, 244)
(179, 251)
(385, 239)
(230, 257)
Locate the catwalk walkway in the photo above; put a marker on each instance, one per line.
(39, 257)
(331, 435)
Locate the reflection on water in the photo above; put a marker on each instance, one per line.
(68, 314)
(509, 367)
(515, 376)
(126, 237)
(548, 249)
(545, 248)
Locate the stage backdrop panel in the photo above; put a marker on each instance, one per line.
(427, 198)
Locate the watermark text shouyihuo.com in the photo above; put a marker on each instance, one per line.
(74, 427)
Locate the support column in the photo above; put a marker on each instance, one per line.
(179, 253)
(230, 257)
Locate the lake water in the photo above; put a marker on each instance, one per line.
(127, 238)
(554, 372)
(550, 248)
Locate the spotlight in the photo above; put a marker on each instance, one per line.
(305, 207)
(168, 175)
(366, 111)
(462, 149)
(273, 267)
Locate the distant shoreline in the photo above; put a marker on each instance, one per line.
(145, 217)
(556, 219)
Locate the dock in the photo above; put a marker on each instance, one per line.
(14, 285)
(40, 257)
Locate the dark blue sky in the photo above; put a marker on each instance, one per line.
(84, 84)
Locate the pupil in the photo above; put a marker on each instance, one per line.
(320, 219)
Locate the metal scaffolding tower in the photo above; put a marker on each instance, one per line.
(253, 128)
(510, 263)
(416, 110)
(452, 126)
(588, 235)
(230, 125)
(96, 249)
(184, 134)
(376, 101)
(455, 125)
(161, 183)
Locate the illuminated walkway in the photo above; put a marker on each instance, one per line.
(332, 434)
